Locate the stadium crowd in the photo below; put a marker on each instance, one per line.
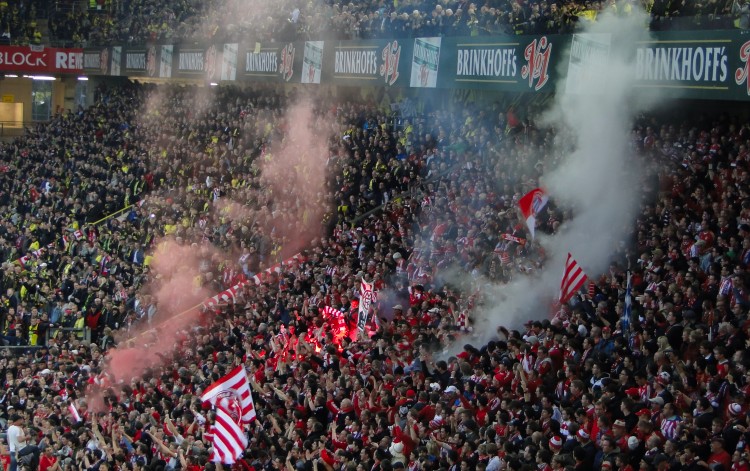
(138, 21)
(573, 389)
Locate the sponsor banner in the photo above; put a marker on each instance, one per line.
(212, 63)
(229, 62)
(363, 63)
(271, 62)
(312, 62)
(191, 62)
(134, 61)
(425, 62)
(688, 64)
(96, 61)
(68, 61)
(587, 63)
(694, 64)
(36, 59)
(503, 63)
(116, 61)
(166, 57)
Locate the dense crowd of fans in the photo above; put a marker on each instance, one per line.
(18, 22)
(138, 21)
(571, 390)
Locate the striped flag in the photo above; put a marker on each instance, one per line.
(626, 313)
(234, 406)
(74, 412)
(504, 258)
(331, 313)
(229, 440)
(233, 385)
(572, 280)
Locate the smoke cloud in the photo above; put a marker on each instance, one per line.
(597, 175)
(293, 174)
(178, 288)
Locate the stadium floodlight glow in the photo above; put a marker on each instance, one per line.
(42, 77)
(11, 76)
(83, 79)
(214, 84)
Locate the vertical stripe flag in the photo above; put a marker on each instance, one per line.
(572, 280)
(234, 406)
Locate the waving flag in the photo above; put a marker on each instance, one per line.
(366, 299)
(234, 406)
(233, 385)
(74, 412)
(229, 440)
(532, 204)
(572, 280)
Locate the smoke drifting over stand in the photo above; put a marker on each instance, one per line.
(597, 177)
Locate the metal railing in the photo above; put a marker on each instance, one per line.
(83, 335)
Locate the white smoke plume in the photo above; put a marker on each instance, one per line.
(596, 179)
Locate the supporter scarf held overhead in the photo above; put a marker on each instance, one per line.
(532, 204)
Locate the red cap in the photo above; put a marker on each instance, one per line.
(643, 412)
(410, 393)
(632, 391)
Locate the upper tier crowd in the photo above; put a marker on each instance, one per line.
(139, 21)
(571, 389)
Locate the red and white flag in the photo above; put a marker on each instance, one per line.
(572, 280)
(74, 412)
(234, 406)
(532, 204)
(367, 298)
(229, 440)
(234, 386)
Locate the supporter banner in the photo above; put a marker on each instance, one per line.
(270, 62)
(363, 63)
(229, 295)
(39, 59)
